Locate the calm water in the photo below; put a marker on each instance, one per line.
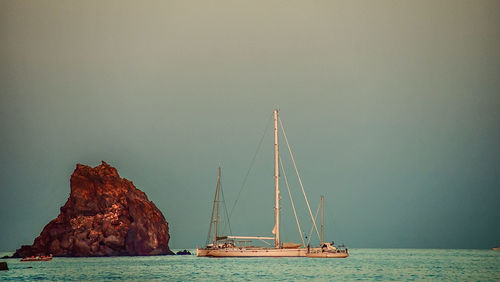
(371, 264)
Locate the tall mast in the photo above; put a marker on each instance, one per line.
(322, 234)
(216, 203)
(276, 183)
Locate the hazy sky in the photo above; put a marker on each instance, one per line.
(392, 109)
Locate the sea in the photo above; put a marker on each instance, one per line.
(362, 264)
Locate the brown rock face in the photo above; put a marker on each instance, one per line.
(105, 215)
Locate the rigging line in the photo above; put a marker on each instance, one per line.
(310, 233)
(251, 165)
(266, 242)
(298, 176)
(291, 200)
(225, 208)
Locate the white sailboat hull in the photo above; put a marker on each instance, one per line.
(202, 252)
(254, 252)
(328, 255)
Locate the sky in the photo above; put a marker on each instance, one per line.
(392, 109)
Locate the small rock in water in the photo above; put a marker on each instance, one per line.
(3, 265)
(185, 252)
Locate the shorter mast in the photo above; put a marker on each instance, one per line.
(214, 220)
(322, 229)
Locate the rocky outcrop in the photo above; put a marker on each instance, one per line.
(183, 253)
(105, 215)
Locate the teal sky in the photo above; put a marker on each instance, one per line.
(392, 109)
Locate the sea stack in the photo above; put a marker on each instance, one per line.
(105, 215)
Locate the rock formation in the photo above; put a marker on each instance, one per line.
(183, 253)
(105, 215)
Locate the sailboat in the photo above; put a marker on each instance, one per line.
(327, 250)
(228, 246)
